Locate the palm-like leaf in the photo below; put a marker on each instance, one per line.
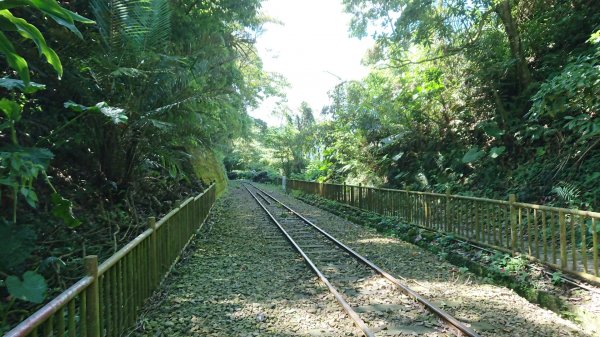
(567, 192)
(133, 26)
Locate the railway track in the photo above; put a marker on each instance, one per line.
(377, 302)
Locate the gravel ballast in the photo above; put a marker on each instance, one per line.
(491, 310)
(240, 278)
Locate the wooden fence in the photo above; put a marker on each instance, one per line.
(565, 239)
(106, 301)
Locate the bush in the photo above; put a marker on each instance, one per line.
(262, 176)
(267, 176)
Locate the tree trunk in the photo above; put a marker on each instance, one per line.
(116, 155)
(504, 11)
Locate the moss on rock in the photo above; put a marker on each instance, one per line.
(209, 167)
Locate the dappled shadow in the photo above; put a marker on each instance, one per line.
(491, 310)
(241, 278)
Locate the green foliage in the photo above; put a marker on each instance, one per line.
(557, 278)
(29, 31)
(170, 77)
(116, 115)
(20, 167)
(572, 90)
(28, 88)
(31, 288)
(14, 60)
(484, 98)
(568, 194)
(472, 155)
(504, 265)
(286, 148)
(496, 152)
(11, 110)
(9, 22)
(63, 209)
(138, 25)
(18, 242)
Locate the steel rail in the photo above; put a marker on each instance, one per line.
(432, 307)
(355, 317)
(264, 198)
(488, 248)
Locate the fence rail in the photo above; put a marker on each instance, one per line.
(565, 239)
(106, 301)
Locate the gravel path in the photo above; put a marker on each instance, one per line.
(491, 310)
(240, 278)
(384, 308)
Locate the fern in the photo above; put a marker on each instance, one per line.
(439, 161)
(133, 26)
(567, 193)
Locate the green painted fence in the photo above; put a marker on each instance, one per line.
(565, 239)
(106, 301)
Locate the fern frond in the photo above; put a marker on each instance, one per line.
(439, 161)
(141, 25)
(111, 16)
(159, 25)
(567, 192)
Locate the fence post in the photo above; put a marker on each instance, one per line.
(513, 222)
(447, 212)
(153, 252)
(360, 195)
(92, 297)
(344, 194)
(595, 246)
(563, 239)
(425, 211)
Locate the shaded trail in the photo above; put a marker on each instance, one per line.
(234, 281)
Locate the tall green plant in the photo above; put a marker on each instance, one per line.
(21, 165)
(28, 31)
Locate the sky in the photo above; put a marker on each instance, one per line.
(312, 49)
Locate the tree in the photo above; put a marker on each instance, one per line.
(464, 92)
(149, 82)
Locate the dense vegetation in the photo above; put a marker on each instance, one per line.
(485, 97)
(102, 103)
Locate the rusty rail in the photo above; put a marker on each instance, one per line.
(564, 239)
(466, 331)
(353, 315)
(107, 300)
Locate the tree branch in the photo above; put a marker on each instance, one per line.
(452, 51)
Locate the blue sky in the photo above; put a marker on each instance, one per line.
(312, 44)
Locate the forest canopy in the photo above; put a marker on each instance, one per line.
(107, 105)
(103, 104)
(483, 98)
